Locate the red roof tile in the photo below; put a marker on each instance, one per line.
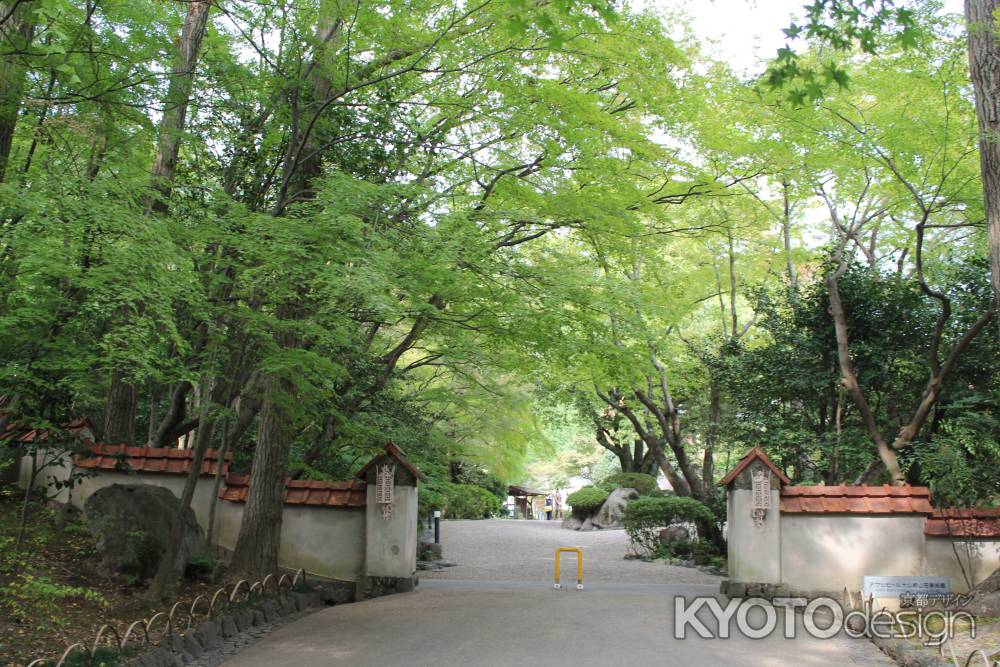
(395, 452)
(313, 493)
(754, 454)
(19, 433)
(856, 500)
(975, 522)
(150, 459)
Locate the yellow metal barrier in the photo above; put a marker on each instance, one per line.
(579, 565)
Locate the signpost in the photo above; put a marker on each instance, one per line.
(897, 587)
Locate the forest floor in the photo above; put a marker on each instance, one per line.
(54, 591)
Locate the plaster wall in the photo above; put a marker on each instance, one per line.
(828, 552)
(979, 558)
(392, 543)
(754, 551)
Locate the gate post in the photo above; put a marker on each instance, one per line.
(391, 524)
(753, 518)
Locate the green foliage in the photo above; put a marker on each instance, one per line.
(641, 482)
(645, 517)
(587, 500)
(30, 599)
(458, 501)
(702, 552)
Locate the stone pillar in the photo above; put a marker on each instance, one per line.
(754, 541)
(390, 534)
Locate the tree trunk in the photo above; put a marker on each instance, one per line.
(167, 150)
(176, 412)
(176, 103)
(16, 33)
(119, 416)
(849, 378)
(984, 70)
(786, 233)
(166, 573)
(256, 552)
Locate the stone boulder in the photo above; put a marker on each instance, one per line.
(131, 523)
(572, 522)
(674, 533)
(612, 512)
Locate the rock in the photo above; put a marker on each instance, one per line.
(672, 534)
(572, 522)
(131, 524)
(724, 586)
(244, 620)
(207, 633)
(613, 510)
(191, 645)
(587, 525)
(737, 589)
(755, 590)
(286, 606)
(332, 594)
(258, 617)
(229, 628)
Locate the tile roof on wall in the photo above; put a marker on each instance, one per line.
(392, 450)
(755, 453)
(16, 432)
(856, 500)
(977, 522)
(303, 492)
(150, 459)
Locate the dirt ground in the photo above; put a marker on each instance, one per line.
(54, 591)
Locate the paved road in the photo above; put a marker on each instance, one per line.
(463, 624)
(499, 550)
(511, 615)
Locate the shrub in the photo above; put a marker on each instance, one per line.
(457, 501)
(465, 501)
(588, 499)
(640, 481)
(645, 517)
(702, 552)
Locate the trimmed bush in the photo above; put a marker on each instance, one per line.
(640, 481)
(587, 500)
(465, 501)
(458, 501)
(645, 517)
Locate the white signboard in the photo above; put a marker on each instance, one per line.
(894, 587)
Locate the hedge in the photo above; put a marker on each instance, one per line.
(458, 501)
(640, 481)
(645, 517)
(588, 499)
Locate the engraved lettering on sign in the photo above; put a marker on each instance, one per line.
(761, 496)
(383, 488)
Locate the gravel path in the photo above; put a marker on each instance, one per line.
(510, 550)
